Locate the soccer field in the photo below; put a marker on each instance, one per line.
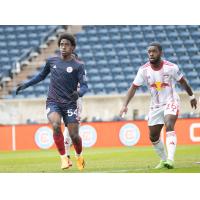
(106, 160)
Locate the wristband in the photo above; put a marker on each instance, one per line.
(192, 97)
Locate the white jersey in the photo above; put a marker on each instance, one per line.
(160, 82)
(79, 107)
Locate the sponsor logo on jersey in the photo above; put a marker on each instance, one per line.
(129, 134)
(159, 85)
(69, 69)
(54, 67)
(44, 137)
(88, 135)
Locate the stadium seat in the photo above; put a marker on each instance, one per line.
(107, 78)
(111, 87)
(195, 59)
(195, 34)
(105, 71)
(112, 54)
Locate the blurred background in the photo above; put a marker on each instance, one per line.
(112, 56)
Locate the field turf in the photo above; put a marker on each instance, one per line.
(101, 160)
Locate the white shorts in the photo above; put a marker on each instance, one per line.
(156, 115)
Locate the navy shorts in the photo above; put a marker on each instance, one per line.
(68, 113)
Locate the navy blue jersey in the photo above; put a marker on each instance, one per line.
(65, 76)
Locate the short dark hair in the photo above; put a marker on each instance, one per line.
(156, 44)
(69, 37)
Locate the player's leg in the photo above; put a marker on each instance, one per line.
(171, 139)
(70, 119)
(157, 143)
(67, 143)
(77, 142)
(54, 118)
(155, 123)
(170, 117)
(55, 121)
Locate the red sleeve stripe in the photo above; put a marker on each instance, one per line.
(135, 85)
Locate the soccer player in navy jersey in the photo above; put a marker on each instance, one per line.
(66, 73)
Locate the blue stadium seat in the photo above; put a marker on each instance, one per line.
(99, 88)
(128, 70)
(3, 52)
(31, 28)
(119, 78)
(188, 43)
(95, 79)
(102, 62)
(113, 62)
(158, 28)
(112, 54)
(184, 36)
(116, 70)
(192, 51)
(195, 59)
(11, 37)
(195, 35)
(195, 83)
(92, 72)
(193, 28)
(105, 71)
(111, 87)
(147, 29)
(192, 75)
(107, 78)
(187, 67)
(138, 38)
(169, 52)
(182, 51)
(3, 44)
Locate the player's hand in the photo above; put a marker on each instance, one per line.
(123, 111)
(193, 103)
(20, 87)
(74, 96)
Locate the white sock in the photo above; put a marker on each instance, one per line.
(62, 156)
(67, 142)
(67, 147)
(171, 142)
(160, 149)
(78, 155)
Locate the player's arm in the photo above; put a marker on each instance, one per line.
(83, 84)
(189, 91)
(36, 79)
(139, 80)
(178, 76)
(129, 96)
(83, 81)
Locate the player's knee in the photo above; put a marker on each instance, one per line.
(56, 127)
(154, 138)
(75, 138)
(169, 126)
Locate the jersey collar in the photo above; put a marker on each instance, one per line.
(157, 69)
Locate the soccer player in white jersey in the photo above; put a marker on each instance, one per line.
(160, 77)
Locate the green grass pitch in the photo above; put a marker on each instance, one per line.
(101, 160)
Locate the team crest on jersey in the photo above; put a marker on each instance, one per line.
(69, 69)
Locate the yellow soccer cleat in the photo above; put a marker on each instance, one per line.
(80, 163)
(64, 162)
